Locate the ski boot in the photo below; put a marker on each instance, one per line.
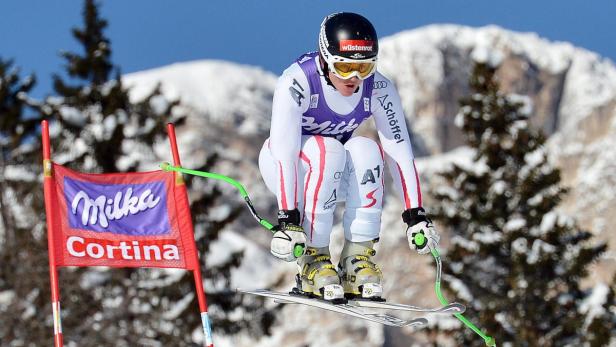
(318, 277)
(361, 277)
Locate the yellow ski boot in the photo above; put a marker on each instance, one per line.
(317, 276)
(361, 277)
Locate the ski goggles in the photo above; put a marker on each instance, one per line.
(346, 70)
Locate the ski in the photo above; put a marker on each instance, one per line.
(452, 308)
(346, 309)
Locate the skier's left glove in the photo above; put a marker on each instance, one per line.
(420, 231)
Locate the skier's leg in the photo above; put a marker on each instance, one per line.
(362, 218)
(323, 161)
(267, 166)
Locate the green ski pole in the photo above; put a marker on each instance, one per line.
(297, 251)
(421, 241)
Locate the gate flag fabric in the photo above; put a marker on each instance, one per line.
(119, 220)
(134, 219)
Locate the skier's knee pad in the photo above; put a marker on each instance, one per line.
(361, 148)
(362, 224)
(321, 145)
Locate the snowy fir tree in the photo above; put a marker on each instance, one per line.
(96, 127)
(23, 267)
(514, 257)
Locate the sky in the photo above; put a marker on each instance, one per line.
(147, 34)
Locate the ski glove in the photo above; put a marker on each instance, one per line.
(289, 240)
(420, 231)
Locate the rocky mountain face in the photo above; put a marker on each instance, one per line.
(570, 93)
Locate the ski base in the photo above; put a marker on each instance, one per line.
(343, 308)
(452, 308)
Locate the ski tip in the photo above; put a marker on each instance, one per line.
(417, 323)
(457, 307)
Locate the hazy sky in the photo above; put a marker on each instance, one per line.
(150, 33)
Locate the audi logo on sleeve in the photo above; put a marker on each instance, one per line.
(380, 84)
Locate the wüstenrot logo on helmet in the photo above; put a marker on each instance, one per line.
(356, 46)
(128, 209)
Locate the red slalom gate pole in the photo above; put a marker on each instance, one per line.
(48, 183)
(205, 321)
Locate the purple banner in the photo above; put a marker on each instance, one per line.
(138, 209)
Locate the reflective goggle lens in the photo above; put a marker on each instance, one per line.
(346, 69)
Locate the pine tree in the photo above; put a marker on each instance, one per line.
(95, 127)
(514, 257)
(23, 267)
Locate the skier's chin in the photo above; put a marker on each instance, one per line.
(348, 89)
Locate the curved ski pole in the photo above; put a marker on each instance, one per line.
(437, 286)
(298, 251)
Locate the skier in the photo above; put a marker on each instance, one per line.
(311, 161)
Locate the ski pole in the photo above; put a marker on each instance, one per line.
(297, 251)
(420, 241)
(489, 340)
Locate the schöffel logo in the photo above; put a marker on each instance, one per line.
(130, 209)
(356, 45)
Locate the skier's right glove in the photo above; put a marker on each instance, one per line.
(289, 240)
(421, 234)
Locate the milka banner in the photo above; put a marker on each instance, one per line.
(120, 220)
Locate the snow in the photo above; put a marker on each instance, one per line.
(107, 87)
(462, 156)
(593, 304)
(483, 53)
(461, 290)
(548, 222)
(226, 93)
(514, 224)
(178, 307)
(159, 104)
(72, 116)
(464, 243)
(6, 297)
(93, 278)
(539, 247)
(252, 273)
(19, 173)
(525, 100)
(488, 236)
(535, 158)
(498, 187)
(520, 245)
(162, 278)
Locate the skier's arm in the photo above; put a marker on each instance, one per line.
(285, 142)
(395, 139)
(290, 101)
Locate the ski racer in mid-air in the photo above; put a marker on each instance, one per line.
(311, 161)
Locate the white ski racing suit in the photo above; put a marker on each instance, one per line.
(311, 162)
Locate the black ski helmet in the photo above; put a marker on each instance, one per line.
(347, 37)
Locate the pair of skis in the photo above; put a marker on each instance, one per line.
(359, 308)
